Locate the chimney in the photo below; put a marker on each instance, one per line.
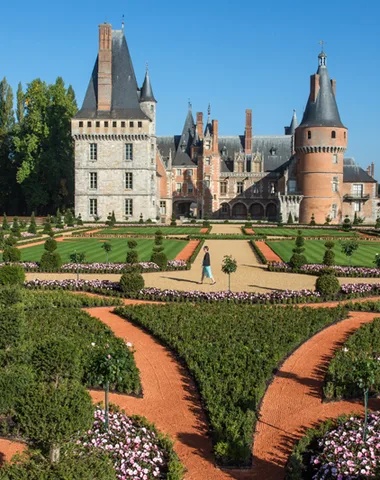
(248, 132)
(215, 136)
(105, 67)
(314, 87)
(368, 170)
(200, 125)
(333, 86)
(372, 170)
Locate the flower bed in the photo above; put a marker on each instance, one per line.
(315, 268)
(336, 451)
(136, 448)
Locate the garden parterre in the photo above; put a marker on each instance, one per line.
(315, 269)
(307, 232)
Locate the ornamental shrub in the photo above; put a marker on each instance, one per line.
(141, 219)
(12, 275)
(347, 223)
(132, 244)
(290, 219)
(69, 218)
(79, 220)
(16, 227)
(329, 244)
(12, 326)
(10, 241)
(329, 257)
(297, 260)
(14, 380)
(132, 256)
(5, 225)
(10, 294)
(158, 239)
(160, 259)
(131, 282)
(312, 221)
(158, 249)
(173, 222)
(47, 227)
(32, 225)
(50, 262)
(327, 285)
(11, 254)
(50, 245)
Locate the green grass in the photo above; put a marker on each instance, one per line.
(151, 230)
(94, 252)
(315, 249)
(306, 232)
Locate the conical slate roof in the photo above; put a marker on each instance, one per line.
(183, 153)
(125, 101)
(146, 94)
(324, 111)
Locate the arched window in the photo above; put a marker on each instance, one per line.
(309, 134)
(333, 134)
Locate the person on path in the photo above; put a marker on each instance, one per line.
(206, 266)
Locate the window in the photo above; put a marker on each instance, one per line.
(93, 180)
(207, 181)
(179, 188)
(225, 208)
(334, 211)
(122, 124)
(223, 188)
(272, 188)
(309, 134)
(93, 151)
(292, 186)
(105, 124)
(190, 188)
(139, 124)
(333, 134)
(152, 108)
(80, 124)
(128, 180)
(179, 172)
(240, 187)
(163, 207)
(189, 173)
(128, 207)
(131, 124)
(357, 190)
(335, 158)
(93, 206)
(335, 184)
(357, 206)
(345, 134)
(129, 151)
(255, 188)
(208, 161)
(97, 124)
(89, 124)
(114, 124)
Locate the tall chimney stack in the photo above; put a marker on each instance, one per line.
(314, 87)
(215, 136)
(248, 132)
(372, 170)
(200, 125)
(105, 67)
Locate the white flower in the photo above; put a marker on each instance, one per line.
(92, 344)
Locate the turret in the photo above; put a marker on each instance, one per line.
(320, 143)
(147, 101)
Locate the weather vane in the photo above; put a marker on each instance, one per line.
(322, 43)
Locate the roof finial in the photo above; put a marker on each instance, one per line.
(122, 22)
(189, 105)
(322, 56)
(146, 67)
(209, 112)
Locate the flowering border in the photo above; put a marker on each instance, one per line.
(315, 268)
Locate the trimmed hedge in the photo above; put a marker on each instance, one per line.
(258, 252)
(131, 282)
(160, 259)
(231, 350)
(12, 275)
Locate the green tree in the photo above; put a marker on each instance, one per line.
(349, 247)
(107, 247)
(290, 219)
(16, 227)
(229, 265)
(20, 106)
(77, 258)
(69, 218)
(5, 225)
(32, 225)
(347, 223)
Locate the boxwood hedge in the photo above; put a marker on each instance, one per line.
(231, 350)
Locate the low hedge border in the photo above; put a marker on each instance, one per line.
(314, 269)
(227, 236)
(195, 253)
(259, 253)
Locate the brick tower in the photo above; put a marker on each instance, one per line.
(320, 143)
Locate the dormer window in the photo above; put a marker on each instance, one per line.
(273, 151)
(224, 151)
(183, 146)
(333, 134)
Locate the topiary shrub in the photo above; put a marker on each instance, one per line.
(160, 259)
(347, 223)
(194, 221)
(131, 282)
(132, 256)
(50, 245)
(132, 244)
(12, 275)
(312, 221)
(173, 222)
(158, 249)
(12, 326)
(10, 241)
(329, 244)
(11, 254)
(50, 262)
(297, 261)
(32, 225)
(158, 240)
(327, 285)
(329, 258)
(290, 219)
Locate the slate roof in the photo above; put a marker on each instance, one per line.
(352, 172)
(183, 148)
(146, 94)
(293, 125)
(125, 92)
(324, 111)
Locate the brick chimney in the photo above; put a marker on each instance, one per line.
(105, 67)
(200, 125)
(314, 87)
(215, 136)
(372, 170)
(248, 132)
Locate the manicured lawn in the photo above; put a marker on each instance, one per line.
(306, 232)
(151, 230)
(94, 252)
(315, 249)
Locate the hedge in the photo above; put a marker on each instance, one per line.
(258, 252)
(231, 350)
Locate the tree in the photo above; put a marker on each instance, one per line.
(20, 107)
(356, 220)
(69, 218)
(5, 225)
(346, 223)
(77, 258)
(107, 247)
(50, 260)
(349, 247)
(298, 259)
(16, 227)
(173, 221)
(229, 265)
(329, 256)
(32, 225)
(377, 260)
(312, 221)
(290, 219)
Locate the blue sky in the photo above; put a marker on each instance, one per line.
(235, 55)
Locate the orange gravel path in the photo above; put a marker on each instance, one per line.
(170, 400)
(292, 403)
(249, 231)
(267, 252)
(8, 448)
(187, 251)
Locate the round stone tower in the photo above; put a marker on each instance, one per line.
(320, 143)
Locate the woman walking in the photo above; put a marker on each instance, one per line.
(206, 266)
